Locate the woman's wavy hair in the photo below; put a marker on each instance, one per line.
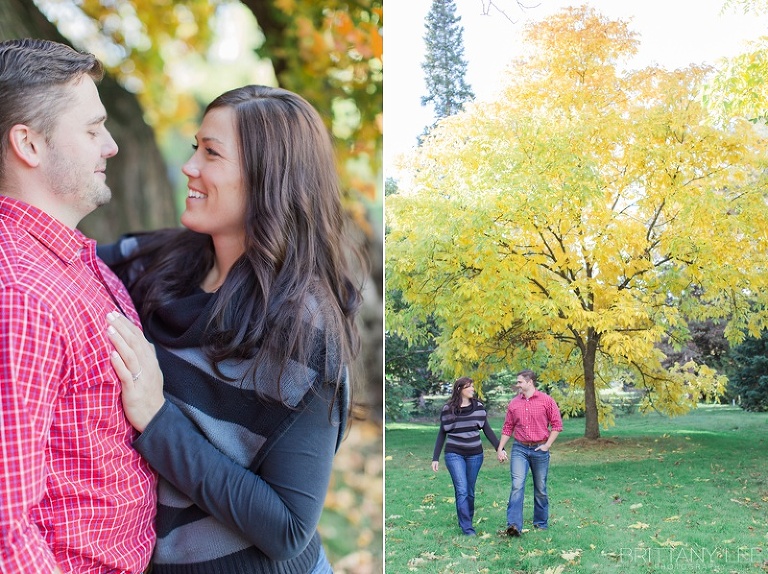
(454, 403)
(294, 282)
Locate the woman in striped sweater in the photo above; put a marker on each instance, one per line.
(461, 420)
(250, 309)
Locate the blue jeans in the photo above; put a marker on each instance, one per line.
(464, 471)
(522, 458)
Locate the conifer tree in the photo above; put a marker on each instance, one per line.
(444, 64)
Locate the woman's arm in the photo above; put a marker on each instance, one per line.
(438, 447)
(278, 509)
(490, 435)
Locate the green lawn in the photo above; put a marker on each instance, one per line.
(681, 495)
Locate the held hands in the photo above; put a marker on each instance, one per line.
(501, 455)
(434, 465)
(135, 362)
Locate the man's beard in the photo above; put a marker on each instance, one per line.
(66, 179)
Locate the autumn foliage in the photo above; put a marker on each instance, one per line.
(583, 217)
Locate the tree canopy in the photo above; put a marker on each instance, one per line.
(329, 52)
(585, 216)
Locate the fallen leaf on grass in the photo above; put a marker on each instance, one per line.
(556, 570)
(674, 518)
(668, 543)
(636, 506)
(639, 525)
(571, 555)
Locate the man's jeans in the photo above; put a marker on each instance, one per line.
(522, 458)
(464, 471)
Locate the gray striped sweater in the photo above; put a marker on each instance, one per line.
(461, 432)
(243, 478)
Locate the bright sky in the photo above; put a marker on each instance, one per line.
(672, 33)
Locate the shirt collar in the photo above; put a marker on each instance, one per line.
(536, 392)
(61, 239)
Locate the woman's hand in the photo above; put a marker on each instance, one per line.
(135, 362)
(434, 465)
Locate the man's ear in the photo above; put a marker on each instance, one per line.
(25, 144)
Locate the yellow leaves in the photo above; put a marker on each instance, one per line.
(668, 543)
(571, 555)
(424, 557)
(583, 213)
(639, 526)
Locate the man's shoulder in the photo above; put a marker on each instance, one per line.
(16, 249)
(515, 400)
(26, 266)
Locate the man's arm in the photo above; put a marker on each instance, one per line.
(500, 454)
(547, 445)
(30, 368)
(555, 423)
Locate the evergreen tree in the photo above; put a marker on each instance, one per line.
(444, 65)
(749, 381)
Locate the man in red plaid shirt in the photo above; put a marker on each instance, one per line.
(75, 496)
(534, 420)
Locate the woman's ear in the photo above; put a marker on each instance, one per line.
(25, 144)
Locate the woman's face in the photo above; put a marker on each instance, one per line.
(215, 198)
(468, 392)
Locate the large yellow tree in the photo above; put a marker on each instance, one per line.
(581, 218)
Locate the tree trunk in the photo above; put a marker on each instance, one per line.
(142, 196)
(591, 425)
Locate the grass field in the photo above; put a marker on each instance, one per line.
(681, 495)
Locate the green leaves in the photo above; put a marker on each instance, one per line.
(578, 227)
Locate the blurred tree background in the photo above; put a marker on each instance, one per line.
(166, 59)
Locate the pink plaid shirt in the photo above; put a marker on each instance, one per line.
(530, 420)
(74, 493)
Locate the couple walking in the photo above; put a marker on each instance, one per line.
(532, 418)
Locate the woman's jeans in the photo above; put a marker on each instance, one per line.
(525, 457)
(464, 470)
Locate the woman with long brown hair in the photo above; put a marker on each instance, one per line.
(251, 310)
(461, 420)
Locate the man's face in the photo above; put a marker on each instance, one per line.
(523, 385)
(77, 151)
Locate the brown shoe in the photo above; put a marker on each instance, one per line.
(512, 530)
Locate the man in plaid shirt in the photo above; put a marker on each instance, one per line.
(533, 419)
(74, 495)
